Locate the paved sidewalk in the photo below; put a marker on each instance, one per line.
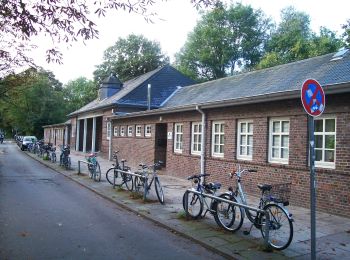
(333, 232)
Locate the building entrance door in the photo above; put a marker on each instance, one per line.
(160, 143)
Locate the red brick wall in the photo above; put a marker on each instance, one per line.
(332, 184)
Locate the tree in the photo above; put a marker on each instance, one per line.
(130, 57)
(36, 100)
(346, 33)
(78, 93)
(63, 21)
(223, 40)
(294, 40)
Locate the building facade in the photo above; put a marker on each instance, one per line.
(90, 128)
(57, 134)
(255, 120)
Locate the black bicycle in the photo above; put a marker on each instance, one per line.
(117, 175)
(64, 157)
(143, 183)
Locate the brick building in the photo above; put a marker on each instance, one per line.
(57, 134)
(90, 129)
(255, 119)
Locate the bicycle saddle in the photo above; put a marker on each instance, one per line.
(264, 187)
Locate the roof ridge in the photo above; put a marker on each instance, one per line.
(260, 70)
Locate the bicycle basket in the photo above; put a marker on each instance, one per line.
(279, 193)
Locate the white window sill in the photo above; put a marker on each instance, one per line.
(278, 161)
(325, 165)
(244, 158)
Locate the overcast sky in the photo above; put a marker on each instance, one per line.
(176, 18)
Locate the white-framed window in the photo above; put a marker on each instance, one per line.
(196, 138)
(325, 142)
(279, 140)
(122, 131)
(178, 137)
(138, 130)
(218, 139)
(130, 128)
(148, 130)
(115, 131)
(108, 130)
(245, 140)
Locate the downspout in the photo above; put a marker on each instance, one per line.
(110, 141)
(202, 143)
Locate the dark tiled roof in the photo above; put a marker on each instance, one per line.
(164, 81)
(283, 78)
(163, 84)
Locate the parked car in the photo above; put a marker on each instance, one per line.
(26, 141)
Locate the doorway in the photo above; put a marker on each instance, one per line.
(160, 143)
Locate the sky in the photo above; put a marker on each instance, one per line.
(176, 18)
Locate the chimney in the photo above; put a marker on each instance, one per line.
(149, 96)
(109, 86)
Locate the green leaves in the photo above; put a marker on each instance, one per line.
(32, 99)
(222, 41)
(294, 40)
(77, 93)
(130, 57)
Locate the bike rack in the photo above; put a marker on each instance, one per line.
(135, 175)
(264, 212)
(79, 172)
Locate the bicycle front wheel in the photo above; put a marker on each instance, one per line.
(110, 175)
(68, 164)
(280, 227)
(128, 181)
(159, 190)
(228, 216)
(193, 204)
(53, 157)
(97, 175)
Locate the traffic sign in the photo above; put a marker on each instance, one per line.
(313, 97)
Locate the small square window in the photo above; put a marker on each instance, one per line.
(122, 131)
(115, 131)
(130, 128)
(148, 130)
(138, 130)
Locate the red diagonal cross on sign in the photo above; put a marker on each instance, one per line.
(313, 106)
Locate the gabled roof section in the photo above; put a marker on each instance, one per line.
(164, 81)
(283, 78)
(163, 84)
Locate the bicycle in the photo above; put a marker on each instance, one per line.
(115, 177)
(273, 200)
(194, 203)
(65, 160)
(52, 154)
(93, 167)
(143, 184)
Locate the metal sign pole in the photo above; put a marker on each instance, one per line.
(312, 187)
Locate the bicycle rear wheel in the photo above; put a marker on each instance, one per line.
(280, 227)
(228, 216)
(159, 190)
(193, 204)
(110, 175)
(97, 174)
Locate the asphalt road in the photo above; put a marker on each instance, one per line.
(44, 215)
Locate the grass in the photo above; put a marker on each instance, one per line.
(181, 215)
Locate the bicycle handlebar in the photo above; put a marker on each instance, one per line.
(239, 172)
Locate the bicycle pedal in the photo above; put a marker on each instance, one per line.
(245, 232)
